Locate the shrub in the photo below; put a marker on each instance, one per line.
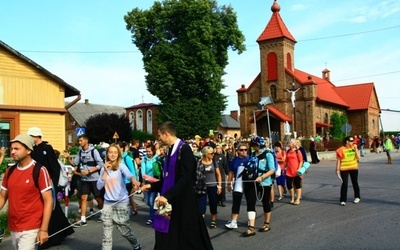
(4, 222)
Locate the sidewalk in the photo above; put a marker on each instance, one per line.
(331, 155)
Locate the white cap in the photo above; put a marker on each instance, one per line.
(35, 131)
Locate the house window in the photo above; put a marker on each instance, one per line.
(149, 122)
(4, 134)
(373, 123)
(273, 91)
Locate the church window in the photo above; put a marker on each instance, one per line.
(273, 92)
(272, 67)
(289, 61)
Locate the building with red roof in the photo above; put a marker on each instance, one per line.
(303, 100)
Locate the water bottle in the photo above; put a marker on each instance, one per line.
(84, 177)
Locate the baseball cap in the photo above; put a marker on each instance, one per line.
(35, 131)
(25, 139)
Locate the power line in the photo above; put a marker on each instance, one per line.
(391, 110)
(349, 34)
(137, 51)
(380, 74)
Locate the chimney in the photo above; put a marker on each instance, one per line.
(86, 101)
(234, 114)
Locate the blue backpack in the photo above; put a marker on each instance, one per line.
(276, 164)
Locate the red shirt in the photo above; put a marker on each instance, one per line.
(25, 205)
(293, 162)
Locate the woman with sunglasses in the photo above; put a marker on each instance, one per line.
(235, 168)
(208, 183)
(347, 158)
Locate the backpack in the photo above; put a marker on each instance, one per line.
(36, 173)
(251, 170)
(277, 168)
(158, 168)
(63, 179)
(200, 182)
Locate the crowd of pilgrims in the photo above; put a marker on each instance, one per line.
(219, 164)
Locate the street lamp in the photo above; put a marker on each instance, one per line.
(262, 105)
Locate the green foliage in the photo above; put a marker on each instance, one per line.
(73, 150)
(185, 50)
(4, 221)
(101, 127)
(337, 120)
(4, 165)
(141, 135)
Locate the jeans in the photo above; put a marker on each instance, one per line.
(118, 215)
(362, 151)
(150, 197)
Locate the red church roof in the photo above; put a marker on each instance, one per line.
(326, 91)
(357, 96)
(275, 28)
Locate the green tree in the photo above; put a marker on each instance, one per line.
(185, 50)
(101, 127)
(337, 121)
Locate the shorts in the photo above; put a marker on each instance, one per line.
(88, 187)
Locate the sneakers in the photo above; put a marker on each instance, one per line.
(91, 211)
(80, 224)
(231, 224)
(213, 225)
(280, 198)
(138, 247)
(342, 203)
(357, 200)
(149, 222)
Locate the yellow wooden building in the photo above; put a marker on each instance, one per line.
(31, 96)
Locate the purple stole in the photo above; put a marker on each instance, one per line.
(160, 223)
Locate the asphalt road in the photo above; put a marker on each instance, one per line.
(319, 222)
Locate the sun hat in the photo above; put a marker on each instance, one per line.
(25, 139)
(35, 131)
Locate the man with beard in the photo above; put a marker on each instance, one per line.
(43, 153)
(27, 187)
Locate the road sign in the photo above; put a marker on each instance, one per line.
(115, 136)
(80, 131)
(346, 128)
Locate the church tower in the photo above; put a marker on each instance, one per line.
(276, 46)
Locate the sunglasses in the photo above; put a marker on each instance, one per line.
(243, 149)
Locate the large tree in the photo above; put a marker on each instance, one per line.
(101, 127)
(185, 50)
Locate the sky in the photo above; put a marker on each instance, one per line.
(86, 44)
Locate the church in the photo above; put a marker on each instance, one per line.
(283, 99)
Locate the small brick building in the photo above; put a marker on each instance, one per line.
(316, 98)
